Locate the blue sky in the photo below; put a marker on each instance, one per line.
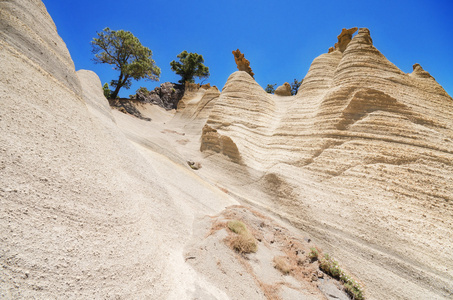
(279, 38)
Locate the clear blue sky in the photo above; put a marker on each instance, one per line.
(279, 38)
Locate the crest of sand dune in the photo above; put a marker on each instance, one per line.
(95, 203)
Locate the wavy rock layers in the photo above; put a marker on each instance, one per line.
(197, 105)
(25, 26)
(244, 111)
(362, 158)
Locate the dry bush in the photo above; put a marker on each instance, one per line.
(331, 267)
(281, 264)
(237, 227)
(243, 241)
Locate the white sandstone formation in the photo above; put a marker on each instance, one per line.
(95, 203)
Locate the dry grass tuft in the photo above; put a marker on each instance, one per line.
(237, 227)
(281, 264)
(331, 267)
(243, 241)
(216, 226)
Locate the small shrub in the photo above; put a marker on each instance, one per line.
(143, 90)
(295, 86)
(281, 264)
(354, 290)
(106, 90)
(237, 226)
(270, 88)
(314, 253)
(331, 267)
(243, 241)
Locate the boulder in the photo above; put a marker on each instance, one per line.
(283, 90)
(166, 96)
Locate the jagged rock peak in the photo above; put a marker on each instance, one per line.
(364, 37)
(344, 38)
(242, 63)
(283, 90)
(419, 72)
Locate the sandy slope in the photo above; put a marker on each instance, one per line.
(84, 213)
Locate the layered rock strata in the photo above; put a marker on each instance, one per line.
(378, 139)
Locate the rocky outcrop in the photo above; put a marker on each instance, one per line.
(283, 90)
(373, 136)
(212, 140)
(418, 72)
(242, 63)
(166, 96)
(343, 39)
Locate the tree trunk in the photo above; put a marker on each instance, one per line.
(118, 87)
(116, 91)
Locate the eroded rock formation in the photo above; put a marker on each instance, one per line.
(343, 39)
(379, 139)
(242, 63)
(361, 159)
(283, 90)
(212, 140)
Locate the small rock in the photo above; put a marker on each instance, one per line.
(194, 165)
(320, 274)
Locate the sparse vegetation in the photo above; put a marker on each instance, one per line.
(243, 241)
(295, 86)
(331, 267)
(281, 264)
(270, 88)
(143, 90)
(106, 90)
(314, 254)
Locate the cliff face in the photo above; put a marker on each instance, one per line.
(379, 139)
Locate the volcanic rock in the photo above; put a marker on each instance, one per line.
(166, 96)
